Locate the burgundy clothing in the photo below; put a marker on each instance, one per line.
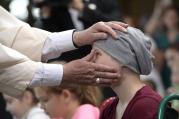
(144, 105)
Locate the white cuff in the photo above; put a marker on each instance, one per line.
(56, 44)
(62, 40)
(47, 75)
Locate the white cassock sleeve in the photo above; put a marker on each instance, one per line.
(22, 47)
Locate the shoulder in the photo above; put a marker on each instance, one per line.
(145, 107)
(108, 102)
(146, 97)
(86, 109)
(144, 104)
(108, 108)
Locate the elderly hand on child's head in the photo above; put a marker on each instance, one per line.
(84, 71)
(98, 31)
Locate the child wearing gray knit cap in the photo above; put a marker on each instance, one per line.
(130, 54)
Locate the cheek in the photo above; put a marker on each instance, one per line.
(55, 108)
(103, 59)
(100, 60)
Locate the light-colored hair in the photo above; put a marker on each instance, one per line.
(84, 94)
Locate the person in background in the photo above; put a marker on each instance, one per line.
(172, 57)
(54, 15)
(163, 27)
(172, 54)
(79, 14)
(70, 101)
(175, 85)
(169, 32)
(131, 55)
(92, 11)
(26, 107)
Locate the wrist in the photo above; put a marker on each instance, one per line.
(77, 36)
(65, 74)
(74, 37)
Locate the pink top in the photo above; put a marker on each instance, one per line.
(86, 111)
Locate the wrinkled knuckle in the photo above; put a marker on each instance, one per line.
(100, 23)
(91, 70)
(93, 76)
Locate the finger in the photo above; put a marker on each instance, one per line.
(106, 82)
(117, 27)
(100, 35)
(87, 82)
(103, 82)
(120, 23)
(90, 56)
(106, 28)
(106, 75)
(103, 68)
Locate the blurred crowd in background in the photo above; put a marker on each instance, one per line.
(158, 19)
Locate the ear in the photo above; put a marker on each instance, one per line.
(27, 98)
(66, 95)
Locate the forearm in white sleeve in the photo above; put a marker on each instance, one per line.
(47, 75)
(56, 44)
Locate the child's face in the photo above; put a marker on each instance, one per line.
(15, 106)
(103, 58)
(54, 105)
(171, 56)
(170, 18)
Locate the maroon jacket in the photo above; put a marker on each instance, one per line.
(144, 105)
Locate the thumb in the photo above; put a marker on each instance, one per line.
(90, 57)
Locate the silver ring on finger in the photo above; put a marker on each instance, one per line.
(98, 80)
